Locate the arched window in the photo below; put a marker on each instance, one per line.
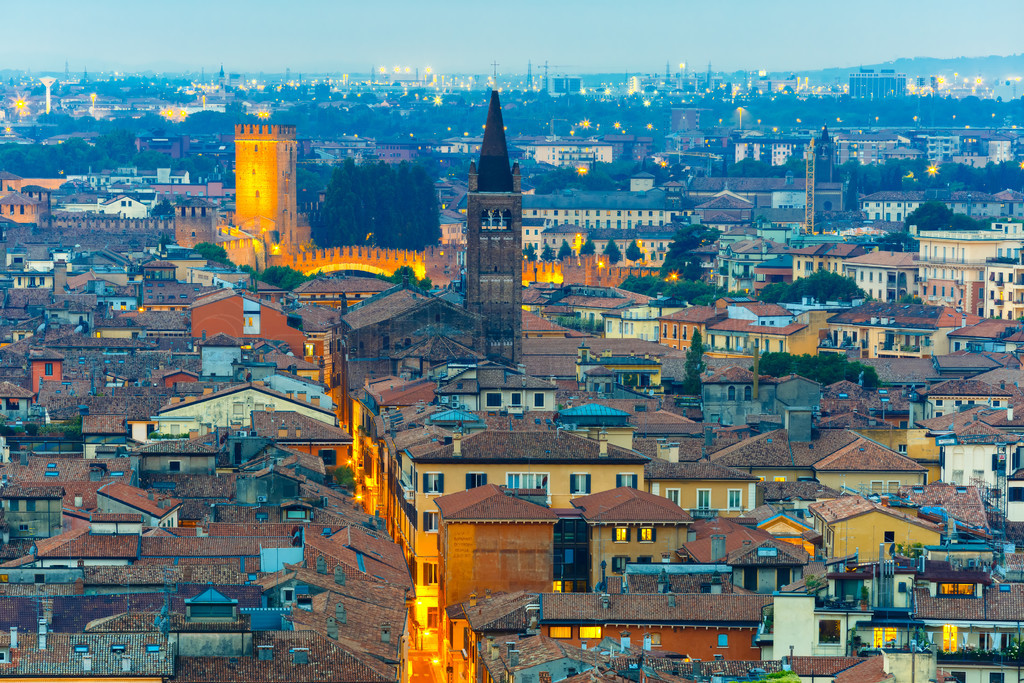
(732, 393)
(748, 393)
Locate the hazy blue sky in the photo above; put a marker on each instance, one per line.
(466, 35)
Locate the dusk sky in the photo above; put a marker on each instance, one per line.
(467, 35)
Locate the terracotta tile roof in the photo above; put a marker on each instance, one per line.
(547, 446)
(965, 387)
(700, 549)
(343, 285)
(963, 503)
(176, 447)
(149, 503)
(796, 490)
(822, 666)
(104, 424)
(80, 544)
(917, 316)
(869, 671)
(362, 553)
(299, 427)
(382, 307)
(327, 661)
(848, 507)
(750, 554)
(490, 502)
(866, 455)
(643, 609)
(502, 612)
(680, 583)
(625, 504)
(60, 658)
(8, 390)
(700, 471)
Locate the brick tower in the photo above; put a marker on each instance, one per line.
(265, 183)
(494, 250)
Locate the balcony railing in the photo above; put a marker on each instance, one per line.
(703, 513)
(979, 656)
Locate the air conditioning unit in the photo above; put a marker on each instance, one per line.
(261, 499)
(241, 433)
(444, 399)
(410, 496)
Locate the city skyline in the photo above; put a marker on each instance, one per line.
(794, 35)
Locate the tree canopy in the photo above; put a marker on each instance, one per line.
(394, 207)
(611, 250)
(404, 272)
(825, 368)
(938, 216)
(564, 251)
(821, 286)
(694, 365)
(694, 292)
(680, 258)
(212, 252)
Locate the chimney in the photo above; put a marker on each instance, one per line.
(339, 575)
(673, 452)
(87, 662)
(472, 599)
(1009, 414)
(717, 547)
(385, 633)
(78, 501)
(606, 601)
(671, 599)
(624, 640)
(716, 584)
(492, 648)
(282, 432)
(340, 615)
(457, 444)
(42, 634)
(708, 435)
(662, 581)
(602, 441)
(14, 637)
(332, 628)
(513, 657)
(300, 655)
(533, 616)
(264, 652)
(126, 663)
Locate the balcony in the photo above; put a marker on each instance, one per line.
(972, 656)
(703, 513)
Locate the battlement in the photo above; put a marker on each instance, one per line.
(264, 131)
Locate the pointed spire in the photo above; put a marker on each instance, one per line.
(493, 170)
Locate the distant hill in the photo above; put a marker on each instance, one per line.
(989, 68)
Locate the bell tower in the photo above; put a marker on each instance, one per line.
(494, 250)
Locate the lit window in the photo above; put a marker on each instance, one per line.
(956, 589)
(884, 635)
(949, 638)
(590, 631)
(647, 534)
(621, 534)
(828, 631)
(560, 631)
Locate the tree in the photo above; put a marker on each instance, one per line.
(909, 299)
(283, 277)
(530, 253)
(633, 252)
(694, 366)
(588, 248)
(897, 241)
(212, 252)
(821, 286)
(681, 259)
(547, 253)
(162, 210)
(611, 250)
(393, 207)
(826, 368)
(406, 273)
(564, 251)
(938, 216)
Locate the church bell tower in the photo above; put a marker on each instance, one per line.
(494, 250)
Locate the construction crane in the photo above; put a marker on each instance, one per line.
(552, 66)
(810, 155)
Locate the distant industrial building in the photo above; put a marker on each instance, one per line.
(868, 84)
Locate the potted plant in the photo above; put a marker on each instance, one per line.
(864, 597)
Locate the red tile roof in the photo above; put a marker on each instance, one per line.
(625, 504)
(490, 502)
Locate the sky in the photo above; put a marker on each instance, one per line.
(466, 36)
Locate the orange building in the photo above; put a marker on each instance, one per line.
(698, 625)
(47, 365)
(677, 328)
(243, 316)
(492, 541)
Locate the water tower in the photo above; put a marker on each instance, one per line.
(47, 83)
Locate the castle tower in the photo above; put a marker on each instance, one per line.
(265, 183)
(494, 250)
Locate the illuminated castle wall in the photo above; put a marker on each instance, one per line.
(265, 183)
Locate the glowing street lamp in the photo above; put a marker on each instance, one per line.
(933, 170)
(582, 170)
(585, 123)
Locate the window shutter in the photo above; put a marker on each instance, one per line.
(469, 481)
(425, 490)
(440, 483)
(654, 534)
(588, 484)
(483, 479)
(426, 516)
(628, 533)
(618, 480)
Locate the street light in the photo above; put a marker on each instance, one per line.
(933, 170)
